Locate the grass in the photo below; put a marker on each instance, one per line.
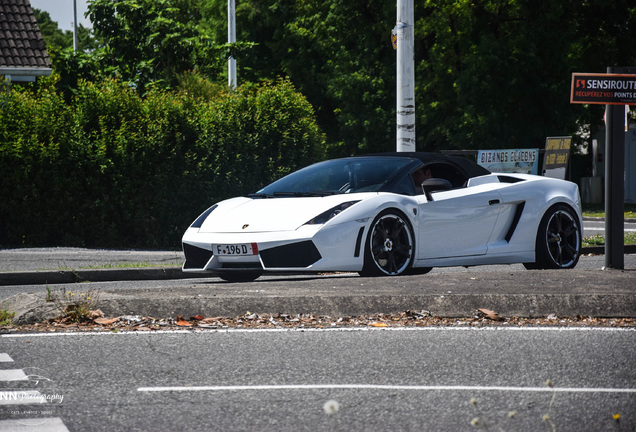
(123, 265)
(598, 210)
(599, 240)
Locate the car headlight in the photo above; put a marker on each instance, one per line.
(330, 214)
(197, 223)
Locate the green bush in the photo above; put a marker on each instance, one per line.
(111, 169)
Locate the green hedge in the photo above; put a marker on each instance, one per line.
(112, 169)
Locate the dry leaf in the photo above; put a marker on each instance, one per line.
(96, 313)
(490, 314)
(183, 323)
(197, 317)
(378, 324)
(105, 321)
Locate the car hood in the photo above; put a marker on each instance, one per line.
(270, 214)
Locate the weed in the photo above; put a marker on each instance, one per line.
(74, 307)
(5, 316)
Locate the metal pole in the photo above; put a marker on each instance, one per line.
(405, 91)
(75, 44)
(614, 184)
(231, 38)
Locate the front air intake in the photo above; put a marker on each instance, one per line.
(196, 258)
(295, 255)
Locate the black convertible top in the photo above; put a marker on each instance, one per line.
(470, 168)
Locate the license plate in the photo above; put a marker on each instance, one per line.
(236, 249)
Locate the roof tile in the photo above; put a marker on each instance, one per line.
(21, 43)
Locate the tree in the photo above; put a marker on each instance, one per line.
(497, 74)
(151, 42)
(337, 53)
(57, 39)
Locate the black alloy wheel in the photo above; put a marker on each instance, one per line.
(558, 244)
(390, 246)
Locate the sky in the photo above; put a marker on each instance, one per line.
(61, 11)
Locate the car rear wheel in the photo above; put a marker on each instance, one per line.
(239, 276)
(558, 243)
(389, 248)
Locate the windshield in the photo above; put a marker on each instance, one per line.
(348, 175)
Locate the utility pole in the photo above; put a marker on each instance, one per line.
(231, 38)
(405, 88)
(75, 44)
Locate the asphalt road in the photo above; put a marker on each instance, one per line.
(435, 379)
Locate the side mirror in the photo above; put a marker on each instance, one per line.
(435, 185)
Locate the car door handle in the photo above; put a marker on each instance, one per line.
(493, 202)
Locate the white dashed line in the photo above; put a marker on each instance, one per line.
(52, 424)
(13, 375)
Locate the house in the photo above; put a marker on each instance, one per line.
(23, 55)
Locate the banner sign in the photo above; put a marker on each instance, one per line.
(557, 157)
(612, 89)
(524, 161)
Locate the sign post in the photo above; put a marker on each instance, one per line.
(615, 89)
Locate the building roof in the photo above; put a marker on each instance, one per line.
(22, 48)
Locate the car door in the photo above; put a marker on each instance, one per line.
(458, 222)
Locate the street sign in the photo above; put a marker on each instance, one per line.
(557, 157)
(524, 161)
(605, 89)
(616, 87)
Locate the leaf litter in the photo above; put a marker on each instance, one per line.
(250, 320)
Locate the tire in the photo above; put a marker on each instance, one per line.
(418, 270)
(239, 276)
(558, 244)
(390, 245)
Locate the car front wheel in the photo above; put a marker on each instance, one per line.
(558, 244)
(390, 247)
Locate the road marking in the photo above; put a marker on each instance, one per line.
(5, 358)
(388, 387)
(332, 329)
(462, 328)
(13, 375)
(52, 424)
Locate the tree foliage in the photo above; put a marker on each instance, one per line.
(337, 53)
(150, 42)
(58, 39)
(489, 73)
(497, 74)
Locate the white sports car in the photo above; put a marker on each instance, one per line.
(389, 214)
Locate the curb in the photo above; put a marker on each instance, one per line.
(54, 277)
(31, 308)
(565, 294)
